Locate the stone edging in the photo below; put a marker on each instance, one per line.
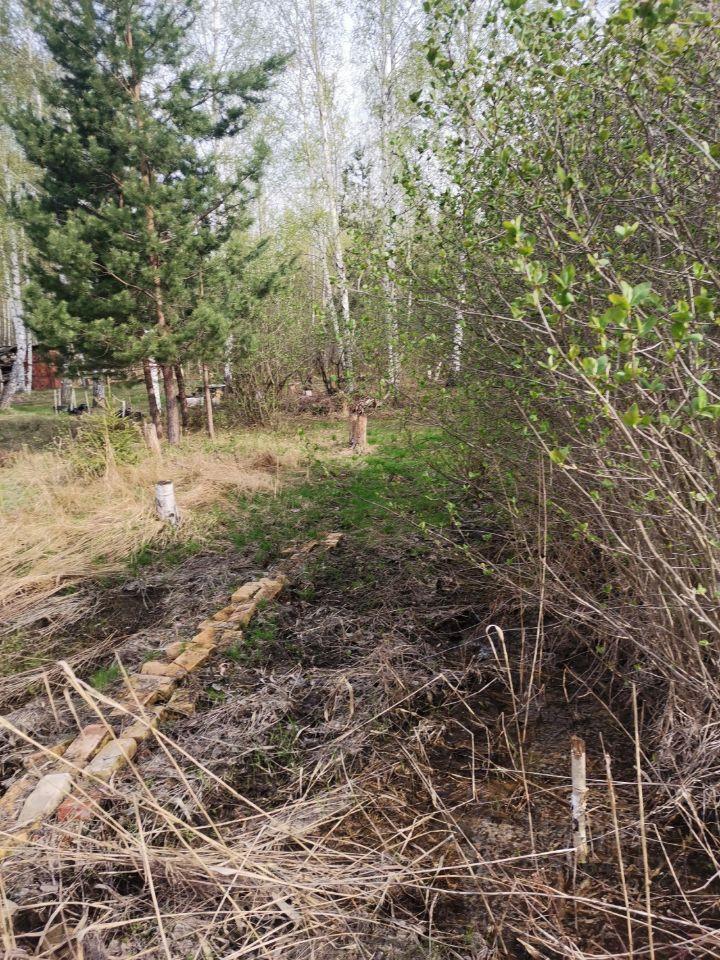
(101, 749)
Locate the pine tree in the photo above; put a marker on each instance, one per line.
(132, 201)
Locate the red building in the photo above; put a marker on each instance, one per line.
(44, 370)
(43, 374)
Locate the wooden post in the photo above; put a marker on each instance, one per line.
(149, 431)
(578, 800)
(643, 827)
(209, 419)
(165, 504)
(65, 393)
(182, 396)
(360, 444)
(618, 851)
(358, 425)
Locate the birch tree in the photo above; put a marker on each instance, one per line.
(17, 380)
(312, 29)
(19, 68)
(385, 31)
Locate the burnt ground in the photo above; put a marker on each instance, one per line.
(365, 774)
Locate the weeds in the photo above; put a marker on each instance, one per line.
(376, 791)
(253, 649)
(104, 441)
(105, 677)
(393, 491)
(151, 655)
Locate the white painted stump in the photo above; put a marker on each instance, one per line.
(165, 504)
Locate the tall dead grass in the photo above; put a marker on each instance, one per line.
(61, 528)
(385, 856)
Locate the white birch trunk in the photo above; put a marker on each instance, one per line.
(578, 798)
(29, 362)
(393, 333)
(16, 381)
(165, 505)
(155, 375)
(385, 70)
(466, 27)
(458, 337)
(329, 303)
(457, 345)
(227, 365)
(321, 101)
(28, 333)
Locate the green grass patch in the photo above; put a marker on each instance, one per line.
(391, 491)
(163, 554)
(32, 429)
(14, 655)
(105, 677)
(255, 646)
(150, 655)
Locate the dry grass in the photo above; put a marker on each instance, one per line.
(61, 528)
(365, 783)
(402, 856)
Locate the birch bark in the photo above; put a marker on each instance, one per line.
(16, 381)
(386, 104)
(323, 106)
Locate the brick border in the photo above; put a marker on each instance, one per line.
(100, 750)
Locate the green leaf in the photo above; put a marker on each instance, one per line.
(640, 293)
(625, 230)
(632, 417)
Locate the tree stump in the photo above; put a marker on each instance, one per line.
(165, 504)
(358, 432)
(358, 424)
(150, 436)
(98, 393)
